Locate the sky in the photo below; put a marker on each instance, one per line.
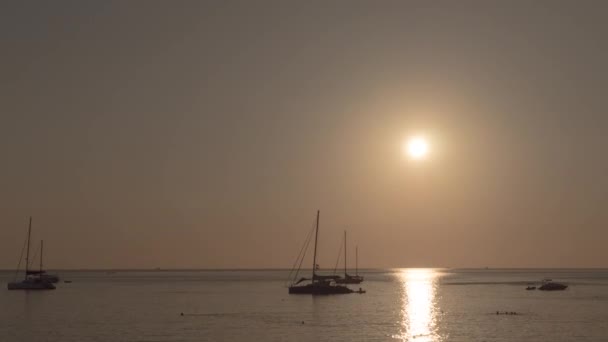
(206, 134)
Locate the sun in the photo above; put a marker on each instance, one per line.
(416, 147)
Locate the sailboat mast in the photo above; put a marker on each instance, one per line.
(314, 259)
(356, 260)
(27, 253)
(345, 253)
(41, 249)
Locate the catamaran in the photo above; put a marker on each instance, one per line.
(318, 284)
(31, 281)
(350, 279)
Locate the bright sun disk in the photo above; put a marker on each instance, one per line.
(416, 147)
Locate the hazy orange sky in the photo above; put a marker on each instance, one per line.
(206, 134)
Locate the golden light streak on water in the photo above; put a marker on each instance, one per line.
(419, 314)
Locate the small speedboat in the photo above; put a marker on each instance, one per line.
(530, 287)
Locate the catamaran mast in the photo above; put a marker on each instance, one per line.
(27, 254)
(314, 259)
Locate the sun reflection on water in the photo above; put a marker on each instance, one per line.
(419, 313)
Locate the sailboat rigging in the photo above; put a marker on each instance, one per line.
(41, 273)
(349, 279)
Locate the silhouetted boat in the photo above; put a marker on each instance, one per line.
(41, 273)
(50, 277)
(31, 284)
(349, 279)
(319, 284)
(33, 280)
(531, 287)
(549, 285)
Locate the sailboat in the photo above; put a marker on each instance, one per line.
(30, 282)
(319, 284)
(350, 279)
(51, 278)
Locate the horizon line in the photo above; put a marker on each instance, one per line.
(157, 269)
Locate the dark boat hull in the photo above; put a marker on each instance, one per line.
(350, 280)
(553, 287)
(30, 284)
(319, 290)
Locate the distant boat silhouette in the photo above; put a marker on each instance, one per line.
(33, 279)
(349, 279)
(549, 285)
(318, 285)
(42, 273)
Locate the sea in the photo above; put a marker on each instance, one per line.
(422, 305)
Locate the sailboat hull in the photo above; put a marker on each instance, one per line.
(30, 284)
(350, 280)
(550, 286)
(50, 278)
(315, 289)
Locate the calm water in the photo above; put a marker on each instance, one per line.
(400, 305)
